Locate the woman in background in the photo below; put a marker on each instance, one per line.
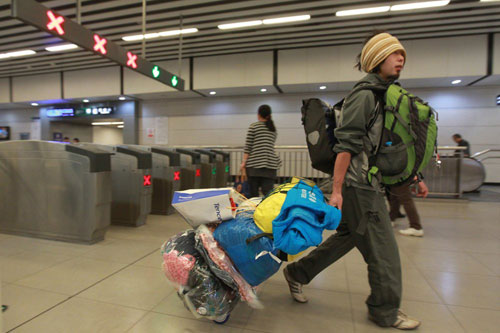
(260, 162)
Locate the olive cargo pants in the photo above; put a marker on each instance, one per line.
(365, 225)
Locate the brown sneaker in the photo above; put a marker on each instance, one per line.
(295, 288)
(405, 322)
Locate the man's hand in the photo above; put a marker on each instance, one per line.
(336, 200)
(422, 190)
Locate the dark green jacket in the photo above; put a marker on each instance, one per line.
(359, 131)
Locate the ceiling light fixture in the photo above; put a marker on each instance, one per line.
(322, 87)
(489, 0)
(419, 5)
(263, 90)
(456, 81)
(177, 32)
(122, 98)
(14, 54)
(105, 123)
(86, 101)
(237, 25)
(279, 20)
(167, 33)
(120, 126)
(363, 11)
(213, 93)
(34, 104)
(62, 47)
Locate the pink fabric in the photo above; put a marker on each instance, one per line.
(177, 267)
(221, 259)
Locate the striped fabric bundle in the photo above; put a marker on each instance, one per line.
(260, 147)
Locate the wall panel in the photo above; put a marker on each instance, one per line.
(235, 70)
(4, 91)
(36, 87)
(92, 82)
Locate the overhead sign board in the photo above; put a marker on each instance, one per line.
(33, 13)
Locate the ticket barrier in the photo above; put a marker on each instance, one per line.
(166, 174)
(55, 191)
(131, 184)
(190, 168)
(222, 164)
(208, 168)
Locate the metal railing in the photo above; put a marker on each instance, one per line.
(478, 157)
(295, 162)
(443, 179)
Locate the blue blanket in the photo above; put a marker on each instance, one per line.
(302, 219)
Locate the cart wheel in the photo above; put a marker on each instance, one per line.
(222, 319)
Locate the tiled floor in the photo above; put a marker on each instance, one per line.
(451, 282)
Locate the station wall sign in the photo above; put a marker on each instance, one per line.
(33, 13)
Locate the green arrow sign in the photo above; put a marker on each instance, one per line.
(174, 81)
(156, 72)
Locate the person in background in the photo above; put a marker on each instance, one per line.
(66, 139)
(461, 143)
(76, 140)
(365, 221)
(242, 187)
(401, 195)
(260, 162)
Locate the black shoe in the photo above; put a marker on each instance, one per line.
(400, 215)
(4, 308)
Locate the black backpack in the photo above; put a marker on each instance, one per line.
(320, 120)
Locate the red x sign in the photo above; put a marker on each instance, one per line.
(131, 60)
(177, 175)
(55, 23)
(99, 44)
(198, 173)
(147, 180)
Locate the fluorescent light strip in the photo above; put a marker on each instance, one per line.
(489, 0)
(363, 11)
(177, 32)
(14, 54)
(239, 25)
(104, 123)
(62, 47)
(279, 20)
(167, 33)
(419, 5)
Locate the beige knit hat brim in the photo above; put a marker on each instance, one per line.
(377, 49)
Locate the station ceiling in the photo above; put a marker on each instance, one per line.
(115, 19)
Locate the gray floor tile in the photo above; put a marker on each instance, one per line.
(82, 315)
(71, 276)
(469, 290)
(157, 322)
(26, 303)
(136, 286)
(327, 311)
(477, 320)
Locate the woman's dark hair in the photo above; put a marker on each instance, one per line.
(265, 112)
(358, 58)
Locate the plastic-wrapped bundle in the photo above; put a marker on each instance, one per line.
(256, 261)
(179, 257)
(220, 264)
(202, 292)
(206, 296)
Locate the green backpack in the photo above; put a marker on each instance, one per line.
(408, 140)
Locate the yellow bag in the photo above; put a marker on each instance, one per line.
(270, 208)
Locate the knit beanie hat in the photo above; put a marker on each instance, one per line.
(377, 49)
